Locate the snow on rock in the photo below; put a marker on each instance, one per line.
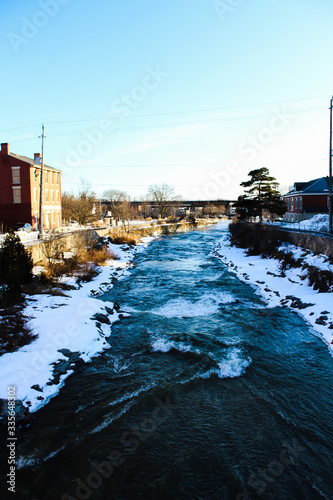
(289, 289)
(71, 329)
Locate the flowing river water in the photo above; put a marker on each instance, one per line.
(206, 393)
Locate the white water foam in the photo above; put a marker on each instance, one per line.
(163, 345)
(183, 308)
(234, 365)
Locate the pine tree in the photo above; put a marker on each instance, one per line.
(262, 194)
(15, 264)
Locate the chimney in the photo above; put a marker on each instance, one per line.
(5, 148)
(37, 158)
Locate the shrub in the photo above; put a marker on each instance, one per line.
(82, 263)
(15, 266)
(257, 238)
(53, 246)
(14, 331)
(287, 260)
(320, 280)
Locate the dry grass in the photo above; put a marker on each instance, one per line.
(82, 264)
(122, 238)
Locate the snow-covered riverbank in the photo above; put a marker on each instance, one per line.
(289, 289)
(72, 328)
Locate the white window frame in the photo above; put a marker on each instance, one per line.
(16, 190)
(46, 195)
(35, 194)
(52, 196)
(300, 203)
(16, 171)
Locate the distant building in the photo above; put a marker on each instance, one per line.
(307, 199)
(20, 191)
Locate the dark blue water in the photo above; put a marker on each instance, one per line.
(205, 393)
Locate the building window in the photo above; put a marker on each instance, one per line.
(287, 203)
(46, 176)
(295, 203)
(52, 195)
(57, 195)
(56, 178)
(36, 220)
(300, 203)
(35, 194)
(53, 217)
(17, 194)
(46, 195)
(16, 175)
(291, 203)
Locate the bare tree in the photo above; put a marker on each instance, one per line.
(145, 206)
(211, 209)
(68, 206)
(115, 197)
(53, 246)
(125, 213)
(162, 195)
(80, 207)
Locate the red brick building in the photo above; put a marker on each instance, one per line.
(20, 191)
(307, 199)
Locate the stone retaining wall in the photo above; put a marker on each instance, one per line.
(146, 230)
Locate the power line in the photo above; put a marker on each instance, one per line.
(166, 125)
(180, 124)
(205, 164)
(170, 113)
(137, 185)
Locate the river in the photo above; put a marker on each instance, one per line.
(206, 393)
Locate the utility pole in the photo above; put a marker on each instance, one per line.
(41, 187)
(330, 197)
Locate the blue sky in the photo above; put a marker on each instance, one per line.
(195, 93)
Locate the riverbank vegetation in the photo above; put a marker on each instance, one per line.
(270, 242)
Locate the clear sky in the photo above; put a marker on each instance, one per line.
(195, 93)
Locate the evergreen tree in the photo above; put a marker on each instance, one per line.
(261, 194)
(15, 264)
